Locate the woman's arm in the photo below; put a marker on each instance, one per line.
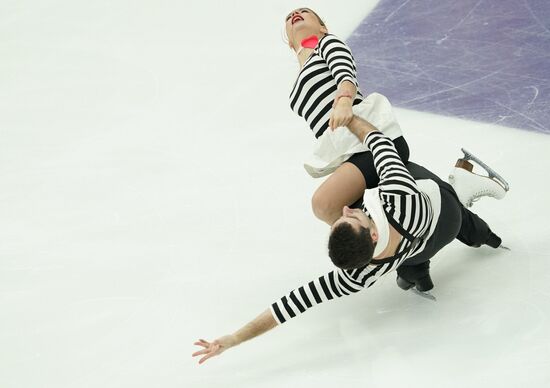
(342, 112)
(261, 324)
(341, 64)
(339, 59)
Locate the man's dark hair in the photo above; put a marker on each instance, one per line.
(349, 249)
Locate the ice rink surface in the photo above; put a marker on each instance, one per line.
(483, 60)
(152, 193)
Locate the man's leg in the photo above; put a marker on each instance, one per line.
(455, 221)
(475, 232)
(415, 271)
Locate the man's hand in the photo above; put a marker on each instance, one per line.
(214, 348)
(259, 325)
(341, 114)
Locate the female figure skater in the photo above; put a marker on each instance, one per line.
(326, 95)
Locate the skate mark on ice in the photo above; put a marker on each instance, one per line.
(479, 68)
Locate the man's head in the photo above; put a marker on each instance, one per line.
(352, 239)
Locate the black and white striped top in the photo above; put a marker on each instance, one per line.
(408, 210)
(312, 96)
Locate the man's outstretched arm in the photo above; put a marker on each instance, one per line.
(331, 286)
(261, 324)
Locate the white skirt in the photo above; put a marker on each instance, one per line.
(335, 147)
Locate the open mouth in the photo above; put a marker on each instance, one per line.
(297, 18)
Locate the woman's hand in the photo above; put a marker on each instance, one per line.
(215, 347)
(342, 113)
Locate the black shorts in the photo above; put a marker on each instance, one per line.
(365, 163)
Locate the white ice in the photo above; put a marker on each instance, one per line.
(152, 194)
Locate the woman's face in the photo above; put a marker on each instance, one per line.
(302, 20)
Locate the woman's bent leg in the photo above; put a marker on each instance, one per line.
(342, 188)
(346, 185)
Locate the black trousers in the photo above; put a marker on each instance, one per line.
(455, 221)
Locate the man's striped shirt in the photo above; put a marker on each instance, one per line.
(408, 210)
(312, 96)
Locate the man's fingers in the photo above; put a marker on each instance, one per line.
(213, 353)
(200, 352)
(206, 358)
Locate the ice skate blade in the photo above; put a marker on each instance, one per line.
(424, 294)
(492, 173)
(505, 248)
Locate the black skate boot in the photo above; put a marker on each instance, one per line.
(495, 242)
(418, 276)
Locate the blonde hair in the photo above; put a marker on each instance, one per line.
(321, 22)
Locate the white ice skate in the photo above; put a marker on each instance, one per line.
(470, 186)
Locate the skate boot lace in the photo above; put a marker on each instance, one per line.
(479, 194)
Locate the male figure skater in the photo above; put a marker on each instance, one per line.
(405, 221)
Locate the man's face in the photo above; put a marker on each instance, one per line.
(357, 219)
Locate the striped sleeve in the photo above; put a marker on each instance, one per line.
(331, 286)
(394, 177)
(339, 59)
(402, 198)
